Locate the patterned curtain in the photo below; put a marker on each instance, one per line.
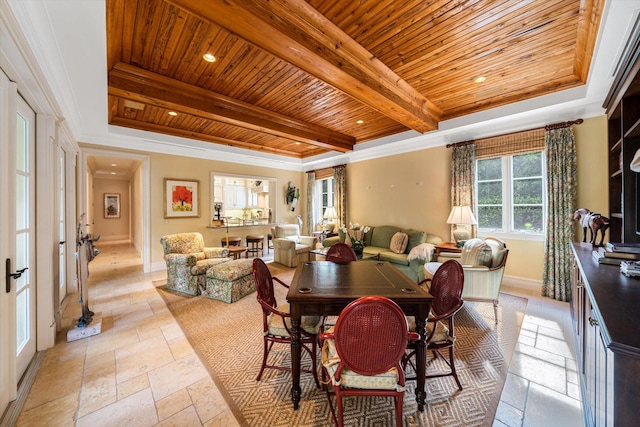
(340, 193)
(561, 189)
(463, 174)
(310, 219)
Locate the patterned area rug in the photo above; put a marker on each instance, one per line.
(228, 339)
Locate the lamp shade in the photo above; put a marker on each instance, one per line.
(330, 213)
(461, 215)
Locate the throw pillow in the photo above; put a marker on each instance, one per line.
(476, 252)
(399, 243)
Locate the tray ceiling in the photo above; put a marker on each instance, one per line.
(301, 78)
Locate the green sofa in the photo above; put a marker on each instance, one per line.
(378, 240)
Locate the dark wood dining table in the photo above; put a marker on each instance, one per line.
(325, 288)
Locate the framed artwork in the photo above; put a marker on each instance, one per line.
(181, 198)
(111, 205)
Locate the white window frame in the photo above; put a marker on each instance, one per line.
(507, 204)
(319, 209)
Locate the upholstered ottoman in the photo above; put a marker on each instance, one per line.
(230, 281)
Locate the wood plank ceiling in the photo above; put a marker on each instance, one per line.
(300, 78)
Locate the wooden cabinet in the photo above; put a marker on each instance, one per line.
(623, 115)
(605, 319)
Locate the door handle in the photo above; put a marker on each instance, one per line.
(63, 242)
(10, 275)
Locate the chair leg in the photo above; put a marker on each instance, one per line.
(495, 310)
(267, 347)
(399, 401)
(453, 367)
(340, 408)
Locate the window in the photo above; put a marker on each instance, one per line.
(511, 194)
(324, 196)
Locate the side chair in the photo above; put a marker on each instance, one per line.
(362, 353)
(276, 321)
(446, 287)
(483, 263)
(341, 253)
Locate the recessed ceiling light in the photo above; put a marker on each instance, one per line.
(480, 79)
(113, 164)
(209, 57)
(360, 122)
(297, 143)
(113, 173)
(173, 113)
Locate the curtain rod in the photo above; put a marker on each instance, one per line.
(559, 125)
(329, 167)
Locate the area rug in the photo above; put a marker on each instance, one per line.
(228, 339)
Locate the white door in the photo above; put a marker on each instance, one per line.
(62, 228)
(7, 306)
(25, 289)
(17, 249)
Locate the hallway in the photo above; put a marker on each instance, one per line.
(140, 370)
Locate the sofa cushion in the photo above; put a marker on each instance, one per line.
(399, 259)
(416, 237)
(433, 239)
(381, 235)
(399, 242)
(476, 252)
(374, 250)
(203, 266)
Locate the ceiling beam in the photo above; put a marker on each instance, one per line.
(134, 83)
(151, 127)
(295, 32)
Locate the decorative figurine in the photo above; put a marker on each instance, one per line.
(594, 222)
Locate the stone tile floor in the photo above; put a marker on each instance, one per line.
(142, 371)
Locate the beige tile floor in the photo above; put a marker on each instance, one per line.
(141, 371)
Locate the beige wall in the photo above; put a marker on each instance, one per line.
(169, 166)
(408, 190)
(412, 190)
(593, 182)
(110, 228)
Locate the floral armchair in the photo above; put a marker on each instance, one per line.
(188, 260)
(289, 247)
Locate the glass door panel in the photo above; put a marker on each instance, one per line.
(24, 248)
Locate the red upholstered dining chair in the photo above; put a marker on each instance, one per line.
(276, 321)
(446, 287)
(341, 253)
(362, 353)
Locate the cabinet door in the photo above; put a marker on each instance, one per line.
(598, 369)
(589, 369)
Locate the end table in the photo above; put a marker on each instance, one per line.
(446, 247)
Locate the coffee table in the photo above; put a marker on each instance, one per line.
(237, 251)
(364, 256)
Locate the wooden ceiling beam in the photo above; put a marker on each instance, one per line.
(137, 84)
(295, 32)
(152, 127)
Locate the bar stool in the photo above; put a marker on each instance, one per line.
(269, 242)
(255, 244)
(233, 241)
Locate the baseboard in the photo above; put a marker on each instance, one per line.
(525, 283)
(115, 239)
(158, 266)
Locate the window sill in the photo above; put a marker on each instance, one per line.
(512, 236)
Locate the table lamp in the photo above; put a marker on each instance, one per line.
(330, 215)
(461, 216)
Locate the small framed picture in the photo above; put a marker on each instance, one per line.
(181, 198)
(111, 205)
